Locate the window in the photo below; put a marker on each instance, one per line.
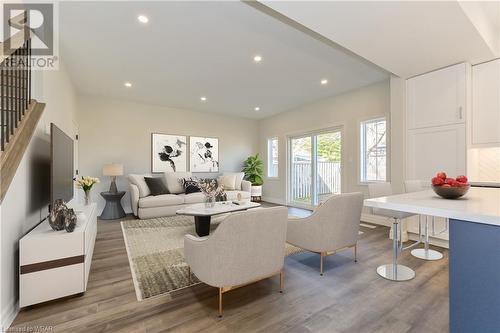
(272, 158)
(373, 150)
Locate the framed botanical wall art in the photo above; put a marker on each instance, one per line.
(203, 154)
(168, 152)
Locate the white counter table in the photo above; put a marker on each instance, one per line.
(474, 275)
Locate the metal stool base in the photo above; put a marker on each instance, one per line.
(401, 273)
(427, 255)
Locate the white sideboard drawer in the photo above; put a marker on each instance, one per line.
(49, 245)
(45, 285)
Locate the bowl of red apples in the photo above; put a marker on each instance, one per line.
(450, 188)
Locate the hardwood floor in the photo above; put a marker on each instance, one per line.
(350, 297)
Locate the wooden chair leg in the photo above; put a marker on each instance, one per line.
(282, 281)
(355, 252)
(220, 302)
(321, 255)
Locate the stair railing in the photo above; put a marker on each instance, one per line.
(15, 78)
(15, 81)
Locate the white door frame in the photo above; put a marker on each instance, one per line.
(76, 160)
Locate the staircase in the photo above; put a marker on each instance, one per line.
(19, 114)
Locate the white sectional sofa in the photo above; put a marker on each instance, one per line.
(145, 205)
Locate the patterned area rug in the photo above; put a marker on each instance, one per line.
(155, 251)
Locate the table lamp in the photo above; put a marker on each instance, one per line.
(113, 170)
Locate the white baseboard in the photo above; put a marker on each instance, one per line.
(274, 200)
(8, 315)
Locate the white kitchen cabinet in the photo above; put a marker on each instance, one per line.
(433, 149)
(437, 98)
(484, 125)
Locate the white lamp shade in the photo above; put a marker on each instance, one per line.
(112, 170)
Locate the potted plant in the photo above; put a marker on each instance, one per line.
(253, 167)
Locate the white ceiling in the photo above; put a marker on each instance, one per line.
(194, 49)
(406, 38)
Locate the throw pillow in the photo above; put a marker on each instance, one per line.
(156, 185)
(239, 178)
(190, 185)
(208, 180)
(173, 184)
(228, 181)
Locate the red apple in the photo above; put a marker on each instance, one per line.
(446, 185)
(442, 175)
(462, 179)
(450, 181)
(436, 181)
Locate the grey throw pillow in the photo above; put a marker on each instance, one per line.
(156, 185)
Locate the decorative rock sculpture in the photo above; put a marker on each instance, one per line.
(61, 217)
(69, 220)
(56, 217)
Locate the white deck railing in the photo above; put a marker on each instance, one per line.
(329, 179)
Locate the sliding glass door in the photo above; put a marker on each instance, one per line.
(328, 165)
(315, 167)
(301, 171)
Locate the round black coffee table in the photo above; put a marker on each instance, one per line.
(113, 209)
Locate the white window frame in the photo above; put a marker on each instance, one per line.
(362, 154)
(270, 157)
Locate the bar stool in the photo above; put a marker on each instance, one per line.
(425, 253)
(393, 271)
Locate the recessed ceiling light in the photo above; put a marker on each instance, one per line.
(127, 84)
(143, 19)
(203, 98)
(257, 58)
(256, 108)
(324, 81)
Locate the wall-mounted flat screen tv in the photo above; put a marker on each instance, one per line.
(61, 165)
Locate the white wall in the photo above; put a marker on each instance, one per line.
(398, 133)
(26, 201)
(120, 132)
(347, 109)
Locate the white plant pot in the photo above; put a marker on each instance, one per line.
(256, 191)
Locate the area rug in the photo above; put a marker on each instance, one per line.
(155, 250)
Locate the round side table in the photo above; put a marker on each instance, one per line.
(113, 209)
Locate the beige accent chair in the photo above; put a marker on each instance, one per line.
(333, 226)
(246, 247)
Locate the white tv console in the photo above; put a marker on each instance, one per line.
(55, 264)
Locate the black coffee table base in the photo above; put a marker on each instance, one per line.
(202, 225)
